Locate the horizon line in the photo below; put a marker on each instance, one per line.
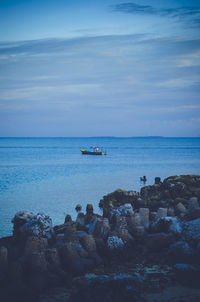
(109, 136)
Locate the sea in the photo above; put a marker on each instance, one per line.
(50, 175)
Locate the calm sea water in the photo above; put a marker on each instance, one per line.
(51, 175)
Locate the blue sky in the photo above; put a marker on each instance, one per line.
(97, 68)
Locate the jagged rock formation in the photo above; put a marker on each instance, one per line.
(158, 226)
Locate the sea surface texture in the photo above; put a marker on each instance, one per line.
(51, 175)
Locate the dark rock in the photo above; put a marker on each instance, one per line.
(72, 261)
(180, 251)
(170, 212)
(68, 219)
(80, 220)
(41, 225)
(144, 217)
(20, 219)
(102, 228)
(114, 242)
(60, 229)
(78, 208)
(119, 287)
(53, 258)
(35, 244)
(161, 212)
(193, 204)
(90, 216)
(133, 222)
(191, 215)
(88, 243)
(158, 241)
(150, 193)
(70, 233)
(166, 225)
(3, 258)
(36, 263)
(89, 209)
(187, 274)
(92, 225)
(157, 180)
(152, 216)
(191, 230)
(117, 199)
(180, 209)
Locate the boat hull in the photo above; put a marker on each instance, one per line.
(92, 152)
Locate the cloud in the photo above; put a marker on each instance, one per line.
(133, 8)
(180, 82)
(184, 13)
(43, 92)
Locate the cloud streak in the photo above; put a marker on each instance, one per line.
(191, 13)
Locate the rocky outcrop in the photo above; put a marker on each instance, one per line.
(158, 226)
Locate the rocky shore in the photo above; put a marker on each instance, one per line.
(144, 247)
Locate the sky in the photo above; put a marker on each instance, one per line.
(99, 68)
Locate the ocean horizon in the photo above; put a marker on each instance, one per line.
(50, 175)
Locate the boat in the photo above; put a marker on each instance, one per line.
(93, 151)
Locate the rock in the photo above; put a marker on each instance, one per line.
(53, 258)
(36, 262)
(180, 208)
(20, 219)
(191, 230)
(40, 225)
(72, 261)
(80, 220)
(70, 233)
(89, 209)
(81, 251)
(187, 274)
(16, 272)
(170, 212)
(88, 243)
(180, 251)
(167, 224)
(191, 215)
(35, 244)
(60, 229)
(157, 180)
(117, 199)
(60, 238)
(3, 257)
(102, 228)
(120, 223)
(68, 219)
(132, 222)
(144, 217)
(92, 225)
(152, 216)
(193, 204)
(114, 242)
(125, 235)
(78, 208)
(126, 209)
(139, 232)
(118, 287)
(90, 216)
(161, 212)
(159, 241)
(152, 195)
(178, 189)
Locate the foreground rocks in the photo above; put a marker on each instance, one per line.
(97, 257)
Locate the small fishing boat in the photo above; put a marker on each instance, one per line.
(93, 151)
